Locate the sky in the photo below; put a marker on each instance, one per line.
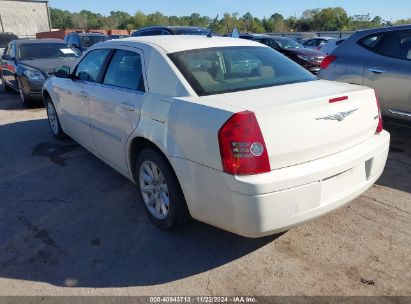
(388, 10)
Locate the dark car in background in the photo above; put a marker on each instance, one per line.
(309, 59)
(111, 37)
(26, 64)
(171, 30)
(5, 38)
(82, 41)
(378, 58)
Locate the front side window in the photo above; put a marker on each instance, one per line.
(89, 68)
(125, 71)
(229, 69)
(34, 51)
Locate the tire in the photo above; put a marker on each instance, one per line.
(25, 100)
(165, 187)
(53, 119)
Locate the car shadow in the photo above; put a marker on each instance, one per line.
(9, 100)
(69, 220)
(398, 169)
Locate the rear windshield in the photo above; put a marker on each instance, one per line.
(33, 51)
(229, 69)
(87, 41)
(285, 43)
(187, 31)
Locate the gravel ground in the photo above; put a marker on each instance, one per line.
(70, 225)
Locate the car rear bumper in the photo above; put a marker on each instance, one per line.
(264, 204)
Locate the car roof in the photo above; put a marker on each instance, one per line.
(36, 41)
(386, 29)
(172, 44)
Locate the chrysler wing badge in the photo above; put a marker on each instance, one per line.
(339, 116)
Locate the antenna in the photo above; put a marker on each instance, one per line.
(210, 34)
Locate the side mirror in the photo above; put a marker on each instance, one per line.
(6, 57)
(62, 72)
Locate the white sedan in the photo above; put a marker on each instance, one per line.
(227, 131)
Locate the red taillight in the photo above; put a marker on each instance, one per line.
(327, 61)
(380, 126)
(242, 145)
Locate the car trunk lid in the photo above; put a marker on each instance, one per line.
(306, 121)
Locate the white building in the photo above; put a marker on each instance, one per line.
(24, 18)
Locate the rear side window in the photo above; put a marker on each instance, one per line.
(371, 42)
(89, 68)
(311, 43)
(397, 44)
(125, 71)
(229, 69)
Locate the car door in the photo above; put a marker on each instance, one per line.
(115, 105)
(388, 71)
(9, 66)
(74, 97)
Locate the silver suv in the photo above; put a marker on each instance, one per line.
(378, 58)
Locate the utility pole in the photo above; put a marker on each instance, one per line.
(1, 23)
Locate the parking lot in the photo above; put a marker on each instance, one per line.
(70, 225)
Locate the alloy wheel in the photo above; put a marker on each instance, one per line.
(154, 190)
(52, 117)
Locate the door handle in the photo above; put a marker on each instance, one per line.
(377, 70)
(83, 93)
(127, 106)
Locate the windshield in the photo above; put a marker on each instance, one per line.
(229, 69)
(33, 51)
(285, 43)
(87, 41)
(199, 32)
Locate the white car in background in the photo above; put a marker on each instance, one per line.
(226, 130)
(316, 43)
(331, 45)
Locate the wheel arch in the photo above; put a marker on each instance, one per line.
(46, 94)
(137, 144)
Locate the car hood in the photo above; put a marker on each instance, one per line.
(48, 65)
(306, 52)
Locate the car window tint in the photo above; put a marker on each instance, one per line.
(229, 69)
(311, 43)
(397, 45)
(371, 42)
(270, 43)
(87, 41)
(33, 51)
(125, 71)
(89, 68)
